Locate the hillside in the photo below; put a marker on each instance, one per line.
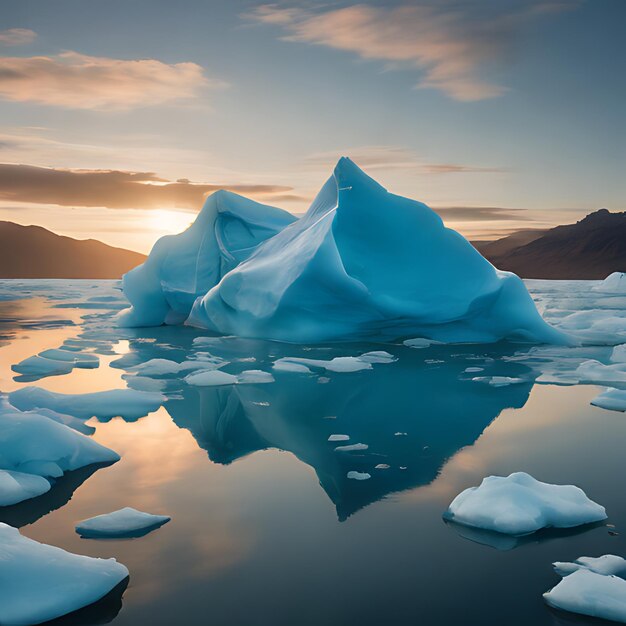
(34, 252)
(590, 249)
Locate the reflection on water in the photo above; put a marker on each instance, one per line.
(255, 536)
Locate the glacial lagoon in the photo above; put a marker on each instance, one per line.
(318, 497)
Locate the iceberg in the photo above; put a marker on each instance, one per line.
(129, 404)
(39, 582)
(593, 371)
(125, 523)
(613, 283)
(591, 586)
(611, 399)
(520, 505)
(183, 267)
(367, 265)
(216, 378)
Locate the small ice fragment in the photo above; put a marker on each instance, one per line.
(358, 475)
(595, 372)
(352, 447)
(289, 366)
(611, 399)
(399, 434)
(124, 523)
(473, 369)
(607, 565)
(498, 381)
(619, 354)
(382, 466)
(377, 356)
(339, 438)
(419, 342)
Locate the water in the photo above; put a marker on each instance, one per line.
(266, 527)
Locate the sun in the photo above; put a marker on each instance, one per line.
(168, 222)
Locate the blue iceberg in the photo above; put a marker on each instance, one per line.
(365, 264)
(361, 265)
(183, 267)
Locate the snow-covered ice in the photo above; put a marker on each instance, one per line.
(182, 267)
(611, 399)
(127, 403)
(39, 582)
(285, 365)
(619, 354)
(349, 269)
(337, 364)
(125, 523)
(518, 505)
(591, 586)
(613, 283)
(165, 367)
(16, 487)
(593, 371)
(353, 475)
(499, 381)
(339, 438)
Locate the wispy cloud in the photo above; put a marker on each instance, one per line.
(451, 42)
(481, 214)
(114, 189)
(394, 158)
(78, 81)
(17, 36)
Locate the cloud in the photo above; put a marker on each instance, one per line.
(113, 189)
(480, 214)
(393, 158)
(78, 81)
(450, 41)
(17, 36)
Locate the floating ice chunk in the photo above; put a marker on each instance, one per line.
(39, 366)
(613, 283)
(164, 367)
(16, 487)
(471, 370)
(214, 378)
(254, 377)
(607, 565)
(377, 356)
(35, 444)
(382, 466)
(339, 438)
(353, 447)
(420, 342)
(358, 475)
(283, 365)
(595, 372)
(182, 267)
(588, 593)
(338, 364)
(145, 383)
(619, 354)
(519, 505)
(611, 399)
(41, 582)
(125, 523)
(365, 264)
(210, 378)
(79, 359)
(499, 381)
(127, 403)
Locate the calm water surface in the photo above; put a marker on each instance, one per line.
(266, 527)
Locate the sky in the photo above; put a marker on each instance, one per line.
(117, 118)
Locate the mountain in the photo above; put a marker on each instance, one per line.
(34, 252)
(591, 249)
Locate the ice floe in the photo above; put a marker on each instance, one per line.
(165, 367)
(592, 587)
(353, 475)
(42, 582)
(619, 354)
(32, 443)
(593, 371)
(129, 404)
(519, 504)
(125, 523)
(216, 378)
(611, 399)
(16, 487)
(499, 381)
